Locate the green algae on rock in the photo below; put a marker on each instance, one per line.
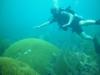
(9, 66)
(37, 53)
(4, 44)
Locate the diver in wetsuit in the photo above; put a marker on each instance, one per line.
(66, 18)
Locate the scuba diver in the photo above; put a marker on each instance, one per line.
(66, 18)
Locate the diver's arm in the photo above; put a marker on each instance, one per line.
(70, 19)
(44, 24)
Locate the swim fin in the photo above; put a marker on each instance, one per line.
(98, 22)
(96, 45)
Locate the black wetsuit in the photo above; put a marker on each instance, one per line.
(76, 27)
(62, 19)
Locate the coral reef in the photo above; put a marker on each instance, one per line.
(78, 60)
(37, 53)
(76, 63)
(4, 44)
(9, 66)
(45, 58)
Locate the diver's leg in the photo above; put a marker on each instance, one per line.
(98, 22)
(55, 4)
(87, 22)
(86, 36)
(94, 39)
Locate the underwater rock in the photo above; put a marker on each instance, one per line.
(4, 44)
(76, 63)
(78, 60)
(9, 66)
(38, 53)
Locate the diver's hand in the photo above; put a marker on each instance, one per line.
(65, 25)
(37, 27)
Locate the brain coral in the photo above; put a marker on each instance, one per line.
(38, 53)
(9, 66)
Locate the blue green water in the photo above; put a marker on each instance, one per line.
(19, 17)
